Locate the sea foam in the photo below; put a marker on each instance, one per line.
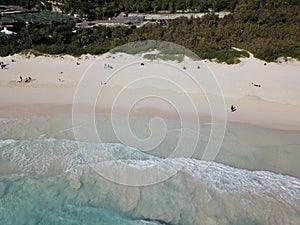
(196, 192)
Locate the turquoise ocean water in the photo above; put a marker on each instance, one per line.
(47, 177)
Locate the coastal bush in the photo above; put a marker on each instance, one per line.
(95, 49)
(267, 29)
(150, 56)
(229, 56)
(108, 8)
(53, 49)
(166, 57)
(269, 54)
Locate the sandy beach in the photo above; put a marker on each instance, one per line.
(150, 113)
(265, 95)
(83, 126)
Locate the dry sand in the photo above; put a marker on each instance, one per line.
(157, 88)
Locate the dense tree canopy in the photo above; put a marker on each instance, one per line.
(268, 28)
(108, 8)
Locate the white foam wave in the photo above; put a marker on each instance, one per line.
(196, 187)
(6, 142)
(4, 120)
(39, 155)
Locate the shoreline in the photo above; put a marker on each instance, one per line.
(244, 146)
(286, 116)
(53, 109)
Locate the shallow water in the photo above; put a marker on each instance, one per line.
(46, 177)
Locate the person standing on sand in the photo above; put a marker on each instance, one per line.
(233, 108)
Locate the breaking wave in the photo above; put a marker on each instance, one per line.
(199, 192)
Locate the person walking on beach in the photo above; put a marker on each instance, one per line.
(233, 108)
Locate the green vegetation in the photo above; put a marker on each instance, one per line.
(28, 4)
(101, 9)
(150, 56)
(267, 28)
(166, 57)
(33, 17)
(230, 56)
(166, 49)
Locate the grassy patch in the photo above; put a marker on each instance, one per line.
(150, 56)
(166, 49)
(166, 57)
(33, 17)
(229, 56)
(29, 52)
(136, 47)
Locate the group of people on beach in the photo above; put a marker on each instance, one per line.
(26, 80)
(256, 85)
(3, 65)
(198, 67)
(107, 66)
